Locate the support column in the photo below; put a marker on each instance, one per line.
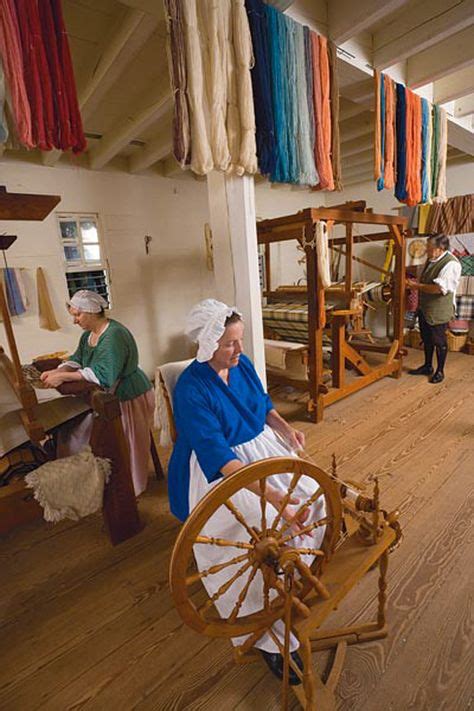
(234, 236)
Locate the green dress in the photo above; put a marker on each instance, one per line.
(114, 361)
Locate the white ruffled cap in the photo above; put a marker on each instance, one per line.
(205, 324)
(89, 302)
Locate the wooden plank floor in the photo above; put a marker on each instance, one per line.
(86, 626)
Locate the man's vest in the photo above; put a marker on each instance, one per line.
(436, 308)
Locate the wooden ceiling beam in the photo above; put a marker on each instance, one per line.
(125, 44)
(460, 138)
(356, 146)
(454, 86)
(454, 53)
(113, 141)
(353, 161)
(152, 7)
(464, 106)
(350, 111)
(420, 26)
(347, 18)
(357, 130)
(154, 151)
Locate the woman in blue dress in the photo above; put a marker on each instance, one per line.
(225, 420)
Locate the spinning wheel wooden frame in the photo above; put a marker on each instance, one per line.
(357, 536)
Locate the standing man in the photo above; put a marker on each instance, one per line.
(437, 286)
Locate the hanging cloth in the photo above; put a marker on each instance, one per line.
(262, 87)
(47, 319)
(201, 157)
(440, 194)
(308, 63)
(335, 138)
(291, 98)
(380, 181)
(177, 68)
(12, 57)
(244, 61)
(413, 179)
(15, 291)
(78, 141)
(389, 162)
(377, 125)
(215, 22)
(434, 150)
(326, 178)
(275, 25)
(400, 187)
(3, 120)
(425, 141)
(308, 174)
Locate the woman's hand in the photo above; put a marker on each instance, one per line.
(296, 439)
(290, 513)
(53, 378)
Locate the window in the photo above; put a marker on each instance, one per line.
(83, 254)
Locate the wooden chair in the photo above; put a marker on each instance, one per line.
(166, 378)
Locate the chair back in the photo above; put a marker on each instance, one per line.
(165, 381)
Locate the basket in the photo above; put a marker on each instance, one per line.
(413, 338)
(456, 342)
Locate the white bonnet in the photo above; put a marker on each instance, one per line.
(88, 301)
(205, 324)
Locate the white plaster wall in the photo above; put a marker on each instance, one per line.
(151, 294)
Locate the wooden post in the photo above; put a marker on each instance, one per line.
(315, 331)
(348, 278)
(233, 223)
(398, 302)
(268, 274)
(108, 441)
(338, 325)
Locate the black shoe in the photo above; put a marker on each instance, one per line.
(274, 662)
(438, 377)
(422, 370)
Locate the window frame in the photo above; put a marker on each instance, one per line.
(81, 265)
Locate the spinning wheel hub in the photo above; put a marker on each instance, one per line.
(267, 550)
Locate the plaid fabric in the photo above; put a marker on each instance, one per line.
(283, 311)
(465, 308)
(467, 265)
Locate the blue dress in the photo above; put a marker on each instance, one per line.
(211, 417)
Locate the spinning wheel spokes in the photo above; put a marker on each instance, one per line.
(191, 579)
(263, 505)
(210, 541)
(243, 594)
(307, 529)
(263, 541)
(225, 587)
(241, 519)
(293, 484)
(301, 509)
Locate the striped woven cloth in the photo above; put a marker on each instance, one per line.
(465, 308)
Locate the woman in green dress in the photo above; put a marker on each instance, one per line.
(107, 355)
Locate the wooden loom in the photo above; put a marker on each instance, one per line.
(357, 536)
(108, 440)
(301, 227)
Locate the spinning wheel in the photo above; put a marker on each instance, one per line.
(275, 569)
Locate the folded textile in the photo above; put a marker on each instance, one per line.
(465, 308)
(47, 319)
(15, 291)
(71, 487)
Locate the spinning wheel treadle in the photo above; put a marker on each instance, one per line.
(297, 583)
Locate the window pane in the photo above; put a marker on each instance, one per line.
(89, 231)
(71, 252)
(68, 229)
(92, 253)
(93, 280)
